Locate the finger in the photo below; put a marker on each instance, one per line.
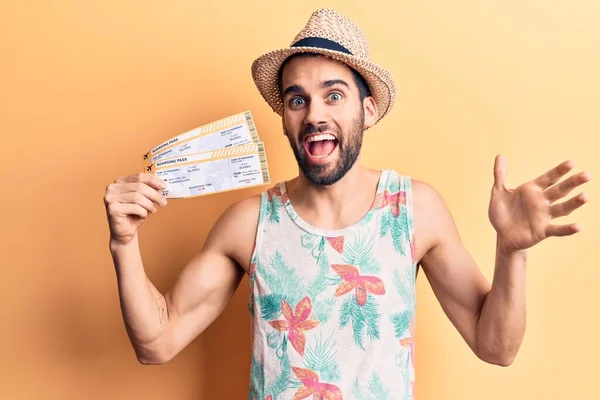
(564, 188)
(127, 209)
(567, 207)
(562, 230)
(149, 179)
(499, 172)
(137, 198)
(551, 177)
(139, 187)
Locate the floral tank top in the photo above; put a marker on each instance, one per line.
(333, 311)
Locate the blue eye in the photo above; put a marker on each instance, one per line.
(297, 101)
(335, 96)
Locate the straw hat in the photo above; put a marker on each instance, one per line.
(332, 34)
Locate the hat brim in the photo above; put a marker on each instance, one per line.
(265, 70)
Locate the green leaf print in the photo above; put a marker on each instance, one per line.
(274, 208)
(365, 319)
(404, 286)
(401, 322)
(270, 306)
(359, 253)
(262, 385)
(384, 224)
(370, 311)
(358, 393)
(367, 218)
(346, 312)
(313, 243)
(257, 378)
(394, 186)
(334, 280)
(282, 279)
(323, 308)
(375, 390)
(320, 358)
(399, 229)
(283, 381)
(321, 281)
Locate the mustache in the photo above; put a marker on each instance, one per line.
(311, 129)
(314, 129)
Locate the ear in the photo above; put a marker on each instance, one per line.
(371, 112)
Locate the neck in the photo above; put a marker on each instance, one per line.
(337, 205)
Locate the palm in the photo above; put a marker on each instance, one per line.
(522, 217)
(519, 216)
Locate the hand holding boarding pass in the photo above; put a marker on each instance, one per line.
(221, 156)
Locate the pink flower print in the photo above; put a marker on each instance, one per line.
(394, 200)
(361, 283)
(296, 322)
(276, 192)
(312, 386)
(337, 243)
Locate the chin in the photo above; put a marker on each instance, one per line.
(324, 175)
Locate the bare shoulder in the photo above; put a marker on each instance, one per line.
(235, 230)
(244, 211)
(432, 218)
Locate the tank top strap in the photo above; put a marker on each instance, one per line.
(399, 221)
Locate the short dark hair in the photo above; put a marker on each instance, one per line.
(363, 88)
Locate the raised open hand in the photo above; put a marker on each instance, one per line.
(522, 217)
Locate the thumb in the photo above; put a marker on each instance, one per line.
(499, 172)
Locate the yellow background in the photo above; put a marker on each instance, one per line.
(87, 87)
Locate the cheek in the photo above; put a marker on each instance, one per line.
(288, 121)
(345, 114)
(291, 125)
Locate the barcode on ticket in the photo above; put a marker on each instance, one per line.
(233, 131)
(214, 171)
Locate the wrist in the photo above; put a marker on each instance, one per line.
(505, 250)
(119, 245)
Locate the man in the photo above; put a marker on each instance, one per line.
(332, 255)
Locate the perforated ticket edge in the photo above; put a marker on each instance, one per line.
(216, 155)
(214, 127)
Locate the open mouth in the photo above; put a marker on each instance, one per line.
(321, 145)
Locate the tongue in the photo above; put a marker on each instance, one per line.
(321, 147)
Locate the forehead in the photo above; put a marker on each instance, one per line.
(312, 70)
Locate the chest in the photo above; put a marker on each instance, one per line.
(365, 267)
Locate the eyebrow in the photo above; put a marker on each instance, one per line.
(294, 89)
(333, 82)
(326, 84)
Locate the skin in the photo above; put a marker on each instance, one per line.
(490, 316)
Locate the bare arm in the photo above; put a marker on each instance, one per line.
(207, 283)
(490, 317)
(501, 323)
(160, 326)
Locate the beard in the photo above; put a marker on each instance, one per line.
(349, 145)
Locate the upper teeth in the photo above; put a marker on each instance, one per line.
(323, 136)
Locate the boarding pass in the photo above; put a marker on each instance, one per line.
(221, 156)
(232, 131)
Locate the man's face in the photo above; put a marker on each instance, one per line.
(323, 117)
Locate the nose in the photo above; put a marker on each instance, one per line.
(316, 113)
